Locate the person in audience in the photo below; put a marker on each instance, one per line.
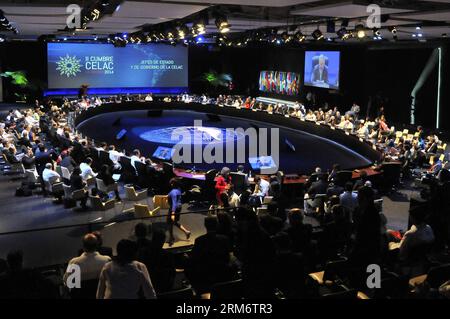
(334, 190)
(262, 187)
(368, 247)
(124, 277)
(141, 232)
(223, 184)
(136, 157)
(173, 216)
(349, 198)
(49, 175)
(90, 262)
(86, 170)
(114, 156)
(418, 236)
(210, 258)
(21, 283)
(333, 174)
(361, 181)
(107, 178)
(318, 187)
(67, 161)
(160, 263)
(77, 183)
(103, 250)
(28, 159)
(300, 234)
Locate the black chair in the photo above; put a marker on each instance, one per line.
(228, 290)
(391, 175)
(104, 158)
(239, 182)
(128, 172)
(185, 293)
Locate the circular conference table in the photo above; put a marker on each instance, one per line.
(108, 117)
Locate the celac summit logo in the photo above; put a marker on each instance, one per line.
(68, 66)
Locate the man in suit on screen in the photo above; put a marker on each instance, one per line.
(320, 71)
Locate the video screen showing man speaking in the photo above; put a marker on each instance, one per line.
(322, 69)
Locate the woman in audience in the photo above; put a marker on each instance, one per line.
(124, 277)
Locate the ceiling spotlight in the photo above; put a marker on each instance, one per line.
(393, 30)
(286, 37)
(182, 32)
(360, 31)
(199, 28)
(222, 24)
(299, 36)
(343, 33)
(317, 35)
(418, 28)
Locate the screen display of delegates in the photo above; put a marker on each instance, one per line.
(279, 82)
(104, 66)
(164, 153)
(322, 69)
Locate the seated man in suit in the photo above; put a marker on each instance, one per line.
(318, 187)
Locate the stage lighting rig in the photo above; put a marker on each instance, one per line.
(299, 36)
(183, 31)
(317, 35)
(5, 25)
(222, 24)
(360, 31)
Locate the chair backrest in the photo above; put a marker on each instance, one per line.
(65, 173)
(58, 170)
(335, 269)
(101, 186)
(67, 191)
(238, 181)
(31, 176)
(267, 200)
(438, 275)
(161, 201)
(130, 192)
(96, 202)
(141, 211)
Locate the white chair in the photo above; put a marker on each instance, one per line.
(65, 173)
(98, 205)
(105, 189)
(131, 195)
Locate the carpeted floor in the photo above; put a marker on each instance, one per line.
(47, 247)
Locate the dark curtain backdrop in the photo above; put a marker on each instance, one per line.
(386, 76)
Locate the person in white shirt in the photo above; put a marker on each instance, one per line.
(419, 235)
(49, 175)
(90, 261)
(349, 198)
(262, 187)
(125, 277)
(114, 156)
(86, 169)
(136, 157)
